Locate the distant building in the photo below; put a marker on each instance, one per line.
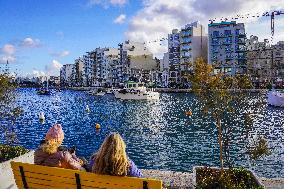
(184, 48)
(137, 62)
(265, 62)
(77, 73)
(164, 69)
(88, 74)
(54, 81)
(66, 75)
(227, 47)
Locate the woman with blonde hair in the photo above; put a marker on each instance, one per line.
(51, 154)
(111, 159)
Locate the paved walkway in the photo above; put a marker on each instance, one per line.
(275, 183)
(171, 179)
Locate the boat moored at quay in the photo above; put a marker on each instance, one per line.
(136, 91)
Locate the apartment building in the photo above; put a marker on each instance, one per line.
(66, 74)
(184, 47)
(265, 62)
(227, 47)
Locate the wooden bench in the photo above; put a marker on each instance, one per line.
(30, 176)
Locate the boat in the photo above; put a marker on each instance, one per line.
(136, 91)
(98, 92)
(44, 91)
(276, 98)
(112, 90)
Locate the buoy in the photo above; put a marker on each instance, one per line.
(41, 116)
(87, 108)
(98, 126)
(188, 113)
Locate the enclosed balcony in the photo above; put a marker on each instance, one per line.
(186, 33)
(185, 40)
(240, 41)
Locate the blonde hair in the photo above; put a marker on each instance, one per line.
(51, 146)
(111, 158)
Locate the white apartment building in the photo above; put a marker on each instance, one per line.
(164, 69)
(66, 74)
(184, 47)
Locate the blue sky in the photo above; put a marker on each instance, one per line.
(58, 26)
(39, 36)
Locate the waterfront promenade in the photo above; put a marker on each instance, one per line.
(168, 90)
(171, 179)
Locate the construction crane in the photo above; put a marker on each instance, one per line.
(273, 14)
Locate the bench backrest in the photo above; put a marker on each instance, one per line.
(28, 176)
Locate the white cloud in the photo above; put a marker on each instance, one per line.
(60, 54)
(30, 43)
(120, 19)
(158, 17)
(7, 53)
(107, 3)
(9, 49)
(118, 2)
(53, 68)
(36, 73)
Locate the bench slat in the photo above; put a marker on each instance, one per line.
(47, 177)
(48, 182)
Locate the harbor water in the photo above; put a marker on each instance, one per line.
(158, 134)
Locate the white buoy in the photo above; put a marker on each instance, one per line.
(41, 116)
(87, 108)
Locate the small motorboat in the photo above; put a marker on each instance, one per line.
(98, 92)
(43, 92)
(276, 98)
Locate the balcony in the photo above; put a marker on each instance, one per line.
(186, 34)
(215, 44)
(243, 49)
(241, 57)
(228, 35)
(229, 58)
(227, 42)
(240, 35)
(229, 50)
(241, 41)
(186, 48)
(185, 41)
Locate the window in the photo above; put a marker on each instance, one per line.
(227, 32)
(215, 33)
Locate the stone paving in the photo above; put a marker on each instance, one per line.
(171, 179)
(275, 183)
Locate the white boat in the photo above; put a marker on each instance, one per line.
(276, 98)
(97, 92)
(136, 91)
(112, 90)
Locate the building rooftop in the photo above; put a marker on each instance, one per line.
(222, 23)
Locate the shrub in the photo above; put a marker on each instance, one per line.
(9, 152)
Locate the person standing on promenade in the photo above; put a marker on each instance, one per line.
(51, 154)
(111, 159)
